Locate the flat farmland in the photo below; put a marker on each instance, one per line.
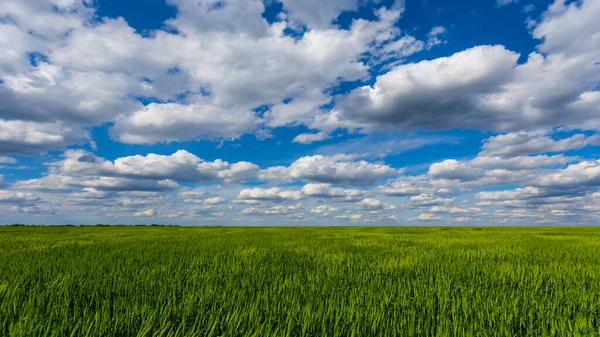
(299, 281)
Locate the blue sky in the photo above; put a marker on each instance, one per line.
(345, 112)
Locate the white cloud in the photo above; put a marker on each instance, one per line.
(89, 72)
(577, 176)
(7, 160)
(406, 186)
(427, 217)
(308, 138)
(484, 87)
(453, 210)
(23, 137)
(486, 170)
(180, 166)
(315, 13)
(175, 122)
(324, 210)
(374, 204)
(428, 199)
(454, 170)
(18, 198)
(501, 3)
(533, 142)
(355, 217)
(339, 169)
(323, 190)
(410, 95)
(273, 210)
(433, 37)
(257, 195)
(147, 213)
(50, 93)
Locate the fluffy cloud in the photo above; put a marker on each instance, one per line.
(453, 210)
(533, 142)
(327, 191)
(180, 166)
(7, 160)
(433, 38)
(49, 93)
(339, 169)
(172, 121)
(97, 72)
(575, 177)
(490, 171)
(23, 137)
(406, 186)
(324, 210)
(273, 210)
(427, 199)
(147, 213)
(374, 204)
(501, 3)
(315, 13)
(153, 172)
(19, 198)
(308, 138)
(484, 87)
(256, 195)
(414, 94)
(427, 217)
(201, 197)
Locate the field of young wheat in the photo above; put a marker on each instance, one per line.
(178, 281)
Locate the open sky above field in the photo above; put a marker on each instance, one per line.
(339, 112)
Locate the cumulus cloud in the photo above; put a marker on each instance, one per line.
(324, 210)
(7, 160)
(81, 169)
(257, 195)
(428, 199)
(87, 72)
(174, 122)
(484, 87)
(147, 213)
(180, 166)
(49, 93)
(486, 170)
(406, 186)
(500, 3)
(582, 175)
(273, 210)
(29, 138)
(18, 198)
(534, 142)
(374, 204)
(317, 14)
(427, 217)
(453, 210)
(338, 169)
(411, 94)
(323, 190)
(308, 138)
(434, 36)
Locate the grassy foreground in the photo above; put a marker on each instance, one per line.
(176, 281)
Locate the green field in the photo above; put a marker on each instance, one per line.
(178, 281)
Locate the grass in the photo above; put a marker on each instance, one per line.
(177, 281)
